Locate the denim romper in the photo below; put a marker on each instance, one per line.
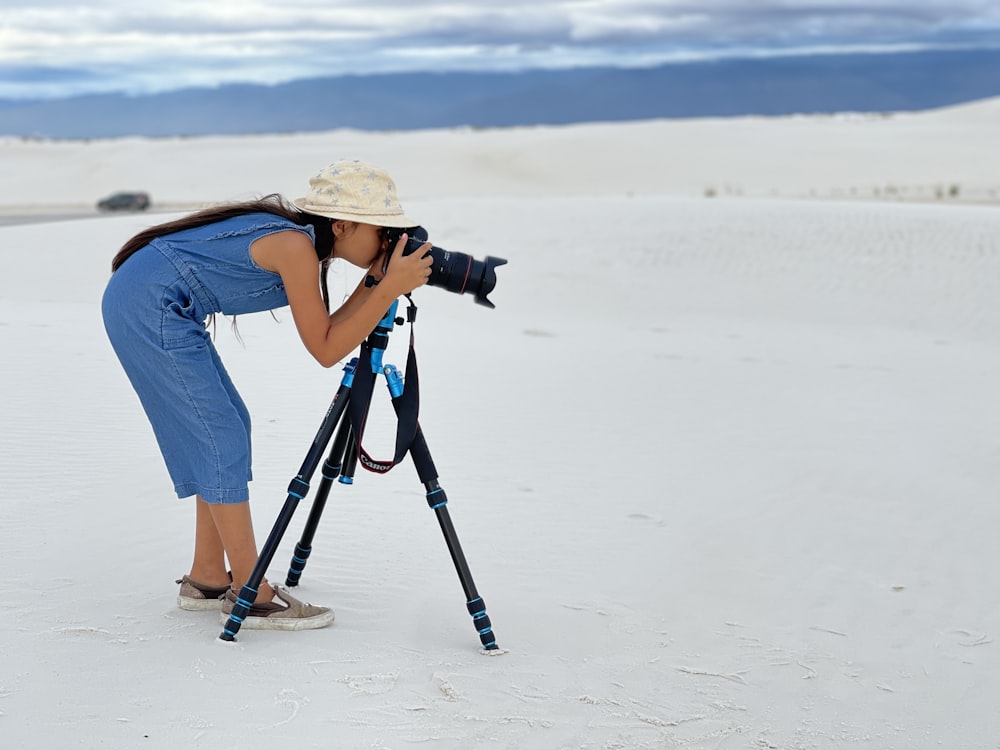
(155, 308)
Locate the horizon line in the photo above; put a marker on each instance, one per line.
(675, 58)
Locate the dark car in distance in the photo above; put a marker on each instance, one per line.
(138, 201)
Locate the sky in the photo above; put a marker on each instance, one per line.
(52, 49)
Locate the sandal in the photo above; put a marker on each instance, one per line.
(197, 597)
(284, 612)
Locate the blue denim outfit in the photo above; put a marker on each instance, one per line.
(155, 308)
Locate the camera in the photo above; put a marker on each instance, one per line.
(455, 272)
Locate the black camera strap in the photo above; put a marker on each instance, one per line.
(406, 405)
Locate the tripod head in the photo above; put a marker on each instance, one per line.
(378, 339)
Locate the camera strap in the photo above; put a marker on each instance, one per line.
(406, 405)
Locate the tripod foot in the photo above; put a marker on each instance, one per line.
(297, 565)
(244, 601)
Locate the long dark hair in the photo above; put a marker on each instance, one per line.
(270, 204)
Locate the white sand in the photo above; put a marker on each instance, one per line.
(725, 470)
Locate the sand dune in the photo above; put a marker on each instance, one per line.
(944, 155)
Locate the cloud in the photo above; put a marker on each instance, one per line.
(143, 46)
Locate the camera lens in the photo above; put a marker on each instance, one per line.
(457, 272)
(461, 273)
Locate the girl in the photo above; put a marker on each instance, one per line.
(242, 258)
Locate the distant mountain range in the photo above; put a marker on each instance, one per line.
(769, 86)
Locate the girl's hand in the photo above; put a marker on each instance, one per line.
(377, 269)
(407, 272)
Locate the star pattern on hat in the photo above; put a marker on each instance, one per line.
(355, 187)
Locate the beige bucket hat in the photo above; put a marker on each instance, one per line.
(355, 191)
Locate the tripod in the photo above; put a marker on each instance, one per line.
(353, 399)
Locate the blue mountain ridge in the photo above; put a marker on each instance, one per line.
(406, 101)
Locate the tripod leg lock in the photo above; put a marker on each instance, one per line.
(477, 608)
(437, 498)
(244, 601)
(330, 471)
(298, 564)
(298, 488)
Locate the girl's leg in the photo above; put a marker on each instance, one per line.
(234, 530)
(209, 565)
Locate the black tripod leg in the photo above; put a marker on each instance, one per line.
(438, 502)
(342, 463)
(297, 490)
(331, 470)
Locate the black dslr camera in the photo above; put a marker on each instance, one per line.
(456, 272)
